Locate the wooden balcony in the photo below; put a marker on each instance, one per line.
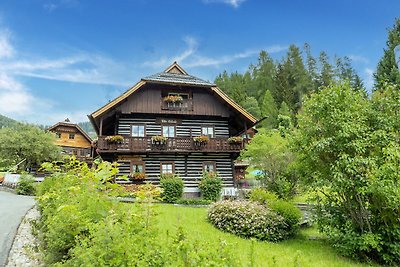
(177, 144)
(185, 105)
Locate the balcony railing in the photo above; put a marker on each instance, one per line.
(178, 144)
(184, 105)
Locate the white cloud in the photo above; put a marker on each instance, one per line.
(52, 5)
(358, 58)
(233, 3)
(6, 49)
(369, 78)
(190, 56)
(18, 102)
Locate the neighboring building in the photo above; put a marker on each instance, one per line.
(72, 139)
(155, 127)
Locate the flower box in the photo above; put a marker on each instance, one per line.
(158, 140)
(116, 139)
(137, 176)
(235, 140)
(201, 140)
(173, 99)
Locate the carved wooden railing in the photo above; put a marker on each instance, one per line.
(184, 105)
(145, 144)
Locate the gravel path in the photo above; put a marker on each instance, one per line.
(24, 249)
(12, 210)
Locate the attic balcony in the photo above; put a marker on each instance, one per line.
(184, 105)
(171, 145)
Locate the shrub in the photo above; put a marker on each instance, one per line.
(262, 196)
(172, 188)
(248, 219)
(26, 185)
(287, 210)
(211, 186)
(118, 240)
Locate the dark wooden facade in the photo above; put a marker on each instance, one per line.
(142, 113)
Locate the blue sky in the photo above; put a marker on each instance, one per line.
(67, 58)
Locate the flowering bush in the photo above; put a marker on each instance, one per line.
(210, 186)
(286, 209)
(158, 139)
(114, 139)
(202, 139)
(173, 98)
(235, 140)
(248, 219)
(137, 176)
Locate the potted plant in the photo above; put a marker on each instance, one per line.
(235, 140)
(116, 139)
(137, 176)
(173, 99)
(201, 140)
(158, 140)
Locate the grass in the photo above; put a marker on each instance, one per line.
(300, 251)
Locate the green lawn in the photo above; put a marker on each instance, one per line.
(300, 251)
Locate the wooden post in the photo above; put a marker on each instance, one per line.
(245, 130)
(186, 165)
(101, 126)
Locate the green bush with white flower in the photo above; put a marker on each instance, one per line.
(249, 220)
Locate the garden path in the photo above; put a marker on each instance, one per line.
(12, 210)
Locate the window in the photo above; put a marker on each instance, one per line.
(167, 167)
(138, 130)
(168, 131)
(71, 136)
(58, 135)
(207, 130)
(209, 166)
(137, 167)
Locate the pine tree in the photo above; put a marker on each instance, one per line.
(251, 105)
(269, 110)
(233, 86)
(326, 76)
(263, 76)
(345, 72)
(388, 69)
(284, 110)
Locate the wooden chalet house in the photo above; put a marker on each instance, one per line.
(72, 139)
(172, 122)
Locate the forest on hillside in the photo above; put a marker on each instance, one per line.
(272, 87)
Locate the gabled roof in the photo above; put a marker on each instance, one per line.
(67, 123)
(176, 79)
(174, 74)
(177, 75)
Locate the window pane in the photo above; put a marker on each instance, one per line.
(137, 168)
(141, 130)
(168, 131)
(209, 167)
(166, 168)
(138, 130)
(209, 131)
